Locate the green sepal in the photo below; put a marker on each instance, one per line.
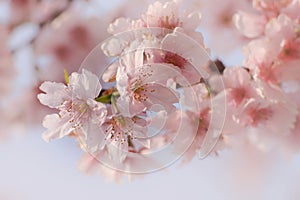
(106, 99)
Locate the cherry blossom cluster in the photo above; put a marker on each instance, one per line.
(272, 60)
(149, 94)
(147, 101)
(162, 90)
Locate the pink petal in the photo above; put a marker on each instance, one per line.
(56, 94)
(57, 127)
(85, 85)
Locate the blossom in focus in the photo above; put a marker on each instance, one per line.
(77, 107)
(123, 134)
(145, 87)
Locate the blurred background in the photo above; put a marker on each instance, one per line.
(38, 39)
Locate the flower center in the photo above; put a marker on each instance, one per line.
(166, 22)
(175, 59)
(238, 95)
(289, 50)
(259, 115)
(118, 130)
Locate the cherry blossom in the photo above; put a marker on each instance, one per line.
(162, 18)
(123, 133)
(76, 105)
(65, 42)
(220, 19)
(147, 87)
(158, 88)
(270, 57)
(250, 25)
(270, 7)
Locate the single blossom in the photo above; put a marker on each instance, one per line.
(239, 88)
(239, 85)
(270, 117)
(122, 134)
(187, 54)
(78, 111)
(145, 87)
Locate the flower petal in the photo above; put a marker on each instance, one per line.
(85, 85)
(56, 94)
(57, 127)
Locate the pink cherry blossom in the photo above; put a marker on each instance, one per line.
(159, 15)
(165, 16)
(204, 119)
(77, 108)
(219, 19)
(292, 9)
(160, 90)
(275, 114)
(180, 52)
(251, 25)
(265, 57)
(144, 87)
(168, 16)
(65, 42)
(240, 87)
(122, 134)
(197, 125)
(270, 7)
